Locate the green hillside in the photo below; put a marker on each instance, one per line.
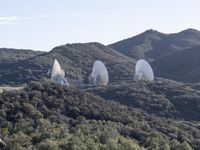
(47, 116)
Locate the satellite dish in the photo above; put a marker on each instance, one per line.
(2, 142)
(58, 75)
(99, 75)
(143, 71)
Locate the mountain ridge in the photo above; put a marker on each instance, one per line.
(76, 59)
(153, 45)
(14, 55)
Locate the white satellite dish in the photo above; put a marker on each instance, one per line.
(1, 141)
(57, 74)
(99, 75)
(143, 71)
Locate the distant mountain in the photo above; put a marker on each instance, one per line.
(153, 45)
(76, 59)
(14, 55)
(162, 97)
(182, 66)
(45, 115)
(169, 54)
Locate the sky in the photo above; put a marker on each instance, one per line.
(44, 24)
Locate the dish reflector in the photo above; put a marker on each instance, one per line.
(99, 74)
(143, 71)
(58, 75)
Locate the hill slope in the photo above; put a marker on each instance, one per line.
(76, 59)
(182, 66)
(49, 116)
(161, 97)
(153, 45)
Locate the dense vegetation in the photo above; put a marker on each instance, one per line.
(48, 116)
(161, 97)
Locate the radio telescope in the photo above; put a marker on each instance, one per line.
(99, 75)
(58, 75)
(2, 142)
(143, 71)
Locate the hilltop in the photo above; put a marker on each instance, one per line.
(153, 45)
(76, 59)
(14, 55)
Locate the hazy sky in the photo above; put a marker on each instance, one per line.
(44, 24)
